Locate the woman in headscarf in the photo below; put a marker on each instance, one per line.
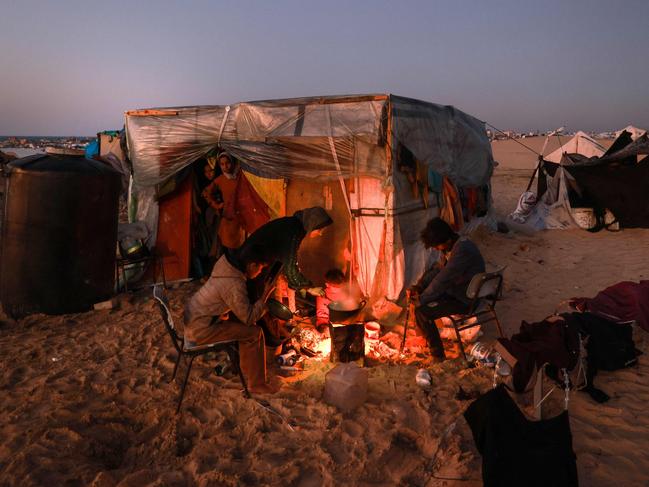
(282, 238)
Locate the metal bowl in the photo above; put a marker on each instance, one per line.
(343, 311)
(279, 310)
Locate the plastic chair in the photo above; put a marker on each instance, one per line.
(484, 290)
(231, 347)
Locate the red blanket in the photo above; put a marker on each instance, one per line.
(624, 301)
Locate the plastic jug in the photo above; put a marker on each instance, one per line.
(346, 386)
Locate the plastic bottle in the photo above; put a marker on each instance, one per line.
(479, 351)
(484, 354)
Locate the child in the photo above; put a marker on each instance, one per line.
(336, 289)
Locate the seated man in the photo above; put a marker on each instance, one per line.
(442, 289)
(221, 310)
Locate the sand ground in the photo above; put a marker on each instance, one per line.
(85, 398)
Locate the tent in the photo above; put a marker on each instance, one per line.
(373, 161)
(581, 144)
(618, 181)
(634, 132)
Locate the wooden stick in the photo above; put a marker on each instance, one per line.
(405, 325)
(152, 113)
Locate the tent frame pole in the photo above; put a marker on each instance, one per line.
(536, 169)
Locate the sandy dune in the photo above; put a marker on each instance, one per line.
(85, 398)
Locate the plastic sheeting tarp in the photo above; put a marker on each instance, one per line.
(453, 143)
(553, 210)
(378, 257)
(92, 149)
(301, 138)
(634, 132)
(639, 147)
(310, 138)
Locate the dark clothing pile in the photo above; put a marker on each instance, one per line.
(282, 238)
(552, 341)
(516, 451)
(624, 301)
(609, 346)
(555, 341)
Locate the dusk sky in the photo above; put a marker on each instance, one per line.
(74, 67)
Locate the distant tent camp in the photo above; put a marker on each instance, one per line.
(375, 162)
(581, 144)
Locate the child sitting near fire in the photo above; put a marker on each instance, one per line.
(337, 289)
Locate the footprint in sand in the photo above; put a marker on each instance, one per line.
(337, 450)
(17, 376)
(309, 478)
(186, 435)
(352, 428)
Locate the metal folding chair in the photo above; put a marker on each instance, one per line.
(231, 347)
(484, 290)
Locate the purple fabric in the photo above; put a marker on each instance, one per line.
(624, 301)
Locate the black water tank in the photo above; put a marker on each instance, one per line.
(59, 232)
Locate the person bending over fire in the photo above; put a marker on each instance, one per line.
(442, 289)
(282, 238)
(221, 310)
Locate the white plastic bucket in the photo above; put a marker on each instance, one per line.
(372, 333)
(372, 330)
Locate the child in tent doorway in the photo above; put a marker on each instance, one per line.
(337, 288)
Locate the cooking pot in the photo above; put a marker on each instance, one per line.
(343, 311)
(279, 310)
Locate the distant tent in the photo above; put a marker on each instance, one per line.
(581, 144)
(623, 140)
(635, 132)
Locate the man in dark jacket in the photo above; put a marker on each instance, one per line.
(442, 288)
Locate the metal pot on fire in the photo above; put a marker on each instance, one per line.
(343, 311)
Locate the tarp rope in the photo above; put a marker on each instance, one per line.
(540, 156)
(332, 146)
(510, 137)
